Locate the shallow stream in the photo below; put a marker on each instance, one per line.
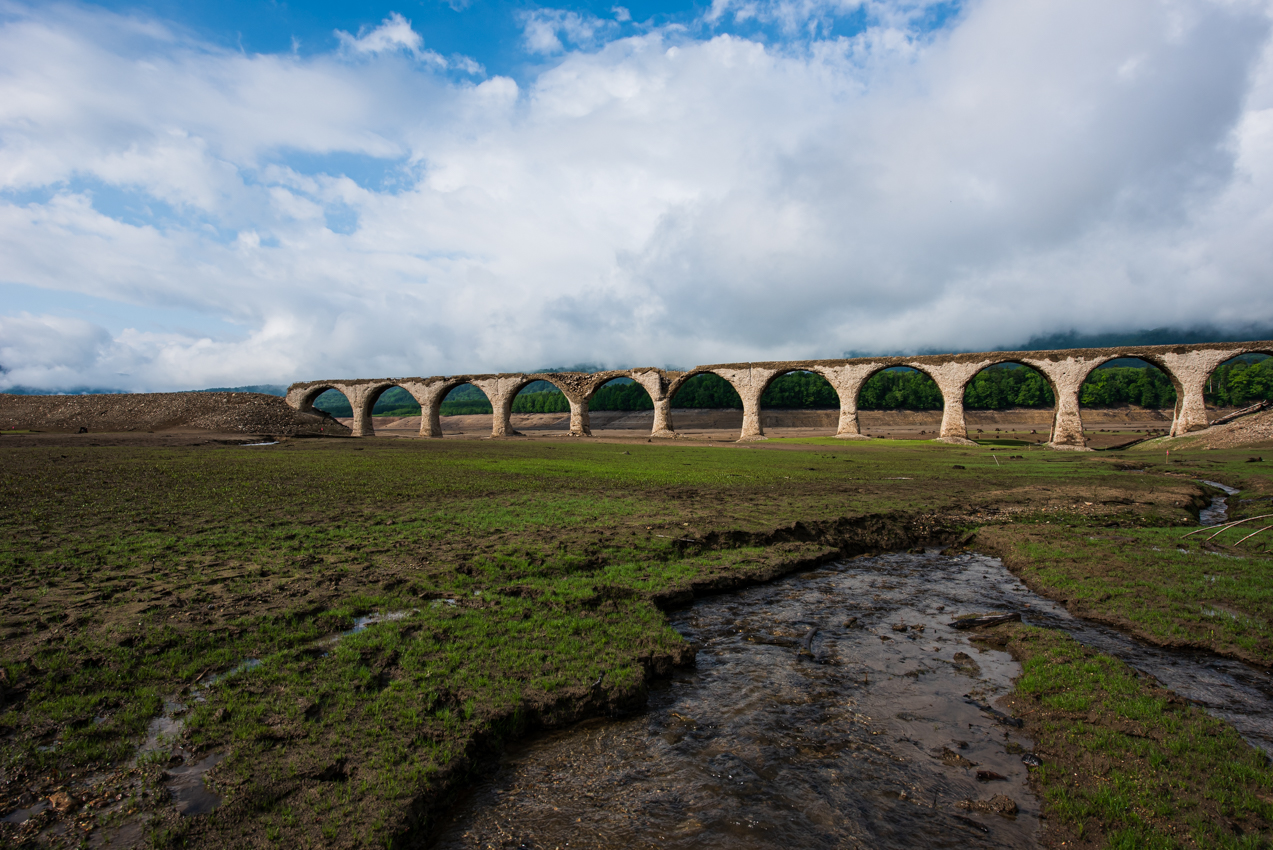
(869, 733)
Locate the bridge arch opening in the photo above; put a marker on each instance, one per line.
(621, 404)
(465, 411)
(707, 404)
(540, 405)
(1126, 399)
(800, 399)
(901, 403)
(1010, 403)
(393, 409)
(331, 401)
(1239, 382)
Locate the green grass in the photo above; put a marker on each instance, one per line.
(1128, 764)
(1154, 581)
(131, 575)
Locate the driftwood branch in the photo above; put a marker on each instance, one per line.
(1252, 534)
(1225, 527)
(988, 620)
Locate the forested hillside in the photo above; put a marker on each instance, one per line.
(997, 388)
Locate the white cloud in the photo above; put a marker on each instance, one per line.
(650, 199)
(394, 33)
(544, 29)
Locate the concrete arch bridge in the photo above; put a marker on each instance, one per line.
(1187, 366)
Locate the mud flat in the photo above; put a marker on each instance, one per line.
(1105, 426)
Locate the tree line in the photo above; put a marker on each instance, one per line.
(1238, 383)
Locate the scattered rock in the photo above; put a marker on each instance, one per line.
(950, 758)
(900, 627)
(990, 776)
(851, 623)
(998, 805)
(61, 801)
(1031, 760)
(973, 622)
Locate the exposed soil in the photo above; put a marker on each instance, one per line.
(1105, 427)
(1254, 431)
(244, 413)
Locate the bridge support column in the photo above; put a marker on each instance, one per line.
(847, 382)
(951, 379)
(431, 411)
(501, 390)
(580, 426)
(1067, 421)
(749, 383)
(752, 428)
(1189, 371)
(1066, 378)
(361, 403)
(663, 418)
(1191, 408)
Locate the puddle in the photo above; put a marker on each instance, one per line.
(23, 815)
(242, 667)
(189, 794)
(250, 445)
(361, 623)
(163, 730)
(836, 708)
(1218, 511)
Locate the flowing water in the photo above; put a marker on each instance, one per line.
(835, 708)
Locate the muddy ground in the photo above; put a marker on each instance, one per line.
(1106, 427)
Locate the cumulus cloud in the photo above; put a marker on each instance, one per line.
(544, 29)
(680, 195)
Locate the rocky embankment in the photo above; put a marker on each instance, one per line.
(243, 413)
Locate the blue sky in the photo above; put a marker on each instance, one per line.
(489, 32)
(200, 194)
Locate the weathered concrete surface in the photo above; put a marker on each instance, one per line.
(243, 413)
(1187, 366)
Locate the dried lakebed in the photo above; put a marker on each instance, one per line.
(833, 708)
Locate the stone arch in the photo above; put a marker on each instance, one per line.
(945, 388)
(823, 372)
(604, 379)
(309, 394)
(743, 382)
(1148, 358)
(655, 382)
(1023, 362)
(437, 389)
(371, 393)
(1210, 392)
(521, 382)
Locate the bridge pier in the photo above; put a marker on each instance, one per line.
(951, 378)
(580, 423)
(1189, 371)
(663, 419)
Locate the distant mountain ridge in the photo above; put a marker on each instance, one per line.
(1113, 339)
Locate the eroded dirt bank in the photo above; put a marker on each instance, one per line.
(246, 413)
